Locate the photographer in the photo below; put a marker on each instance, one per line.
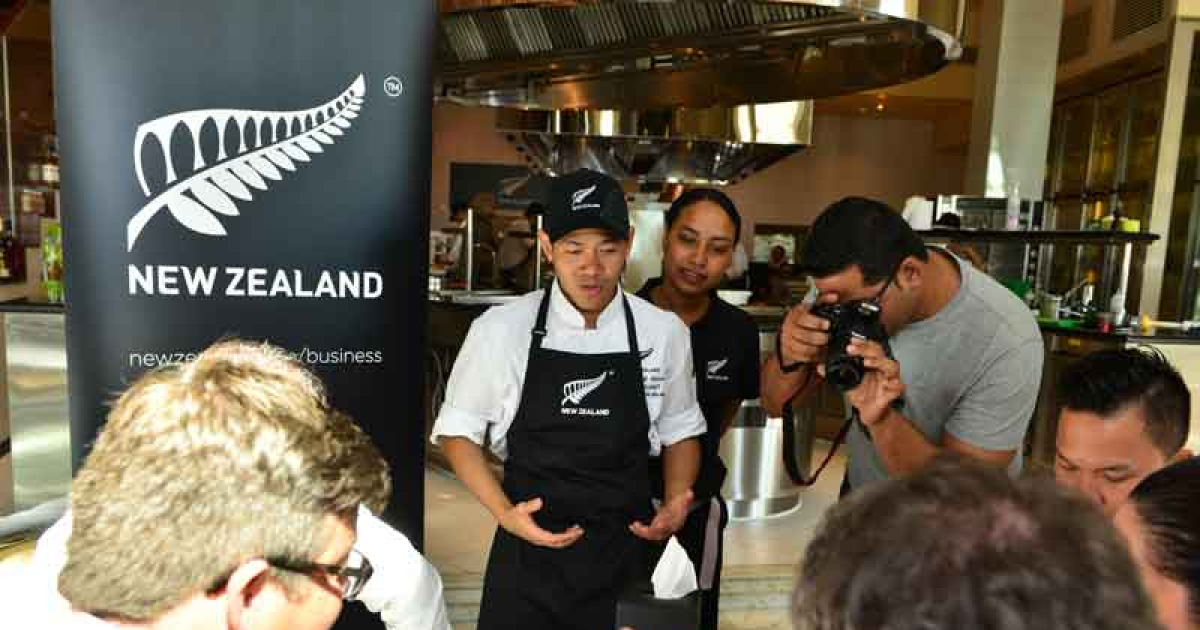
(965, 354)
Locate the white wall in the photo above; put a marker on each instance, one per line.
(886, 159)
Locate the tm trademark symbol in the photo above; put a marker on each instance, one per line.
(393, 86)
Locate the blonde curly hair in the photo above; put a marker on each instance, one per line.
(204, 465)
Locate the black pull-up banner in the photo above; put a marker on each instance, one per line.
(250, 168)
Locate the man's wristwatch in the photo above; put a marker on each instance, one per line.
(786, 369)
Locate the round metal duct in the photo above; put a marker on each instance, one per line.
(621, 54)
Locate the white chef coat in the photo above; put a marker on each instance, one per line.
(484, 388)
(405, 590)
(59, 619)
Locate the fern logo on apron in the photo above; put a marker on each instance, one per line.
(575, 391)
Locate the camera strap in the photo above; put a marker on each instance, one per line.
(789, 429)
(789, 440)
(789, 454)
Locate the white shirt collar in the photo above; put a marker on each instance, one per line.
(565, 313)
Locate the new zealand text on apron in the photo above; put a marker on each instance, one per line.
(579, 441)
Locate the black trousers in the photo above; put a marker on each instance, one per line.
(692, 537)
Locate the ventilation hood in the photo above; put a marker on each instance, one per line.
(716, 145)
(679, 90)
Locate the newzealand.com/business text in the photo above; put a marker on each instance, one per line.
(339, 356)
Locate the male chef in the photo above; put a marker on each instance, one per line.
(574, 387)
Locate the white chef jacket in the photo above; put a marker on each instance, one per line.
(59, 619)
(405, 590)
(484, 388)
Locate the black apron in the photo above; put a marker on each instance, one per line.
(579, 441)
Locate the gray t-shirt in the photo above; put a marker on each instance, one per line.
(972, 370)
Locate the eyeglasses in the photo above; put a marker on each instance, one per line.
(352, 576)
(878, 299)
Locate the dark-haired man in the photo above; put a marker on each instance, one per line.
(1160, 521)
(1125, 414)
(959, 545)
(967, 353)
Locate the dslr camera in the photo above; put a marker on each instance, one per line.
(847, 321)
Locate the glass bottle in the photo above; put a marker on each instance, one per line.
(6, 273)
(50, 172)
(14, 251)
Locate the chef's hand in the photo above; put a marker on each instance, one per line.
(669, 519)
(803, 336)
(881, 384)
(518, 521)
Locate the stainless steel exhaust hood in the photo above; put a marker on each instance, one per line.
(628, 54)
(717, 145)
(679, 90)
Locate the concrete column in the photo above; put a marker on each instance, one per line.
(1187, 8)
(1014, 96)
(1170, 136)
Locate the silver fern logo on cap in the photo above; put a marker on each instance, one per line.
(279, 140)
(576, 391)
(579, 196)
(716, 365)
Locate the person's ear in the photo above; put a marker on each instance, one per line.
(909, 274)
(244, 591)
(1183, 454)
(546, 245)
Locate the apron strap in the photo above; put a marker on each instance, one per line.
(539, 327)
(712, 544)
(630, 329)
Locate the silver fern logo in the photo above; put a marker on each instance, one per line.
(715, 366)
(579, 196)
(279, 141)
(576, 391)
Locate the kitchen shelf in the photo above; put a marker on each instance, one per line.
(42, 188)
(1040, 237)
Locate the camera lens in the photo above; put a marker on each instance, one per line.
(844, 372)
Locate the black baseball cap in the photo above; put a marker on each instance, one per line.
(585, 199)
